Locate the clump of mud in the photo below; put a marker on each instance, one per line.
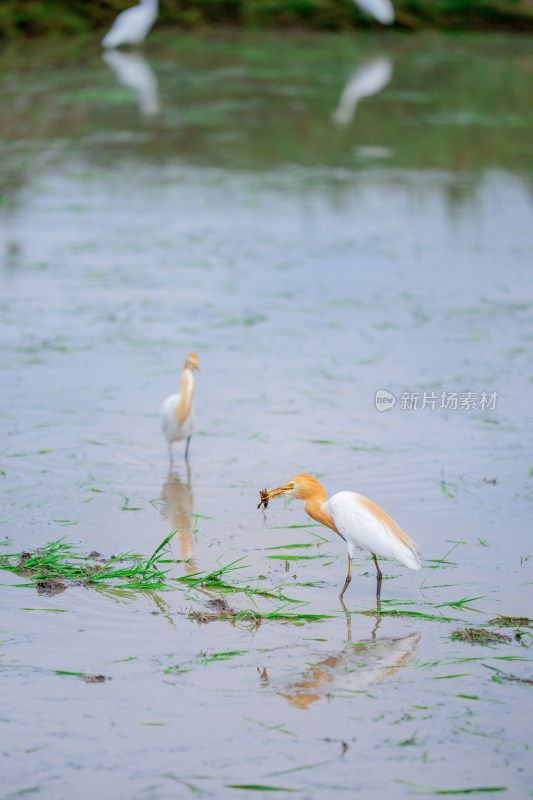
(479, 636)
(511, 622)
(50, 586)
(512, 679)
(224, 612)
(95, 678)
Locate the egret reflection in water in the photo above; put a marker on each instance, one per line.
(178, 511)
(133, 70)
(354, 669)
(367, 80)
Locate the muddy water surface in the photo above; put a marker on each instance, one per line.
(318, 218)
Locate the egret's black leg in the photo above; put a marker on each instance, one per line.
(379, 577)
(348, 577)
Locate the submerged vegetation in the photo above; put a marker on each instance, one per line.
(18, 17)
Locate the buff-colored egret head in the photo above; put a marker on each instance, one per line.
(191, 362)
(301, 487)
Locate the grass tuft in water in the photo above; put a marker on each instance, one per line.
(60, 561)
(250, 617)
(214, 580)
(479, 636)
(511, 622)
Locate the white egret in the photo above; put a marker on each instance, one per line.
(382, 10)
(177, 414)
(356, 519)
(132, 25)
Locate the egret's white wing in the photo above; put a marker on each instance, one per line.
(363, 524)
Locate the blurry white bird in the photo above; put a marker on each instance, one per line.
(356, 519)
(382, 10)
(132, 25)
(370, 78)
(133, 71)
(177, 415)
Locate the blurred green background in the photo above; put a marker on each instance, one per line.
(38, 17)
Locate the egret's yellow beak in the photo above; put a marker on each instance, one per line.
(267, 495)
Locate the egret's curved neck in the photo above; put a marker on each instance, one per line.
(187, 390)
(314, 507)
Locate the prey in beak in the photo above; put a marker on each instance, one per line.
(266, 495)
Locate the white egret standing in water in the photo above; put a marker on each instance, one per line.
(132, 25)
(382, 10)
(133, 71)
(370, 78)
(177, 415)
(356, 519)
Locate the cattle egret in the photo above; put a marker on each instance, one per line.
(382, 10)
(177, 415)
(356, 519)
(132, 25)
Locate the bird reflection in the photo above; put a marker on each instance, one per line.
(133, 70)
(369, 79)
(178, 510)
(355, 668)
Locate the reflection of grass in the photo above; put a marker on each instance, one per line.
(470, 790)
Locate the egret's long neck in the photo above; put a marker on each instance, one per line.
(184, 406)
(314, 507)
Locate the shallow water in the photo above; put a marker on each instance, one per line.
(318, 218)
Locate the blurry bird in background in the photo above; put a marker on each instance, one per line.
(132, 25)
(177, 415)
(356, 519)
(382, 10)
(368, 79)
